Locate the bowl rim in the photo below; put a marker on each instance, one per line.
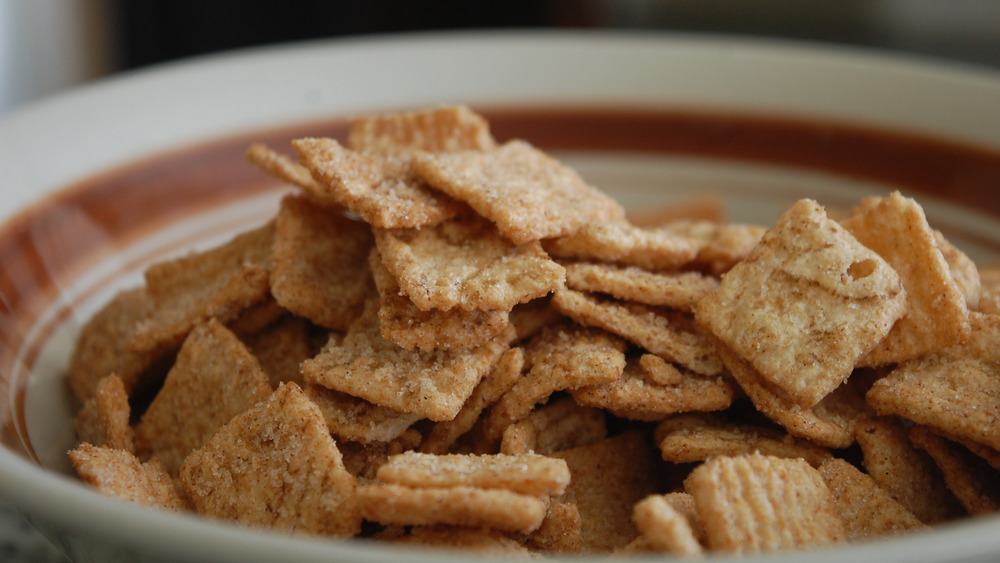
(50, 499)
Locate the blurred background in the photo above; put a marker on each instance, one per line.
(50, 45)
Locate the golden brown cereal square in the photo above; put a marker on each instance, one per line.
(907, 473)
(560, 424)
(669, 334)
(275, 466)
(664, 528)
(807, 302)
(956, 389)
(694, 437)
(442, 129)
(937, 316)
(382, 192)
(120, 474)
(974, 483)
(677, 290)
(356, 420)
(527, 474)
(607, 478)
(466, 263)
(319, 263)
(431, 385)
(528, 194)
(214, 378)
(405, 324)
(104, 418)
(624, 244)
(636, 396)
(866, 509)
(759, 504)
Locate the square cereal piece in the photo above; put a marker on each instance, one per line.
(281, 167)
(668, 334)
(607, 479)
(759, 504)
(443, 129)
(974, 483)
(280, 347)
(405, 324)
(466, 263)
(956, 389)
(104, 418)
(558, 425)
(806, 303)
(695, 437)
(937, 316)
(214, 378)
(718, 245)
(560, 530)
(495, 509)
(102, 348)
(636, 396)
(624, 244)
(664, 528)
(904, 471)
(527, 474)
(443, 435)
(829, 423)
(118, 473)
(356, 420)
(431, 385)
(319, 266)
(677, 290)
(275, 466)
(221, 282)
(381, 191)
(561, 357)
(528, 194)
(866, 509)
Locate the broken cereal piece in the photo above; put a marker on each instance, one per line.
(103, 420)
(275, 466)
(528, 194)
(866, 509)
(664, 528)
(807, 302)
(120, 474)
(758, 504)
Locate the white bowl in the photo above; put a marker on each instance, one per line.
(650, 118)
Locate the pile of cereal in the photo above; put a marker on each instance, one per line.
(448, 341)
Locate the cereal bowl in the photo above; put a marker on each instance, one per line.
(101, 182)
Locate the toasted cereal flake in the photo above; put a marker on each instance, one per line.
(807, 302)
(956, 389)
(559, 425)
(829, 423)
(989, 297)
(759, 504)
(281, 167)
(102, 346)
(718, 246)
(625, 244)
(528, 474)
(319, 263)
(275, 466)
(403, 323)
(665, 528)
(688, 438)
(937, 315)
(120, 474)
(356, 420)
(635, 396)
(677, 290)
(666, 333)
(381, 191)
(280, 347)
(560, 530)
(528, 194)
(468, 540)
(561, 357)
(214, 378)
(219, 283)
(503, 376)
(444, 129)
(907, 473)
(103, 420)
(431, 385)
(466, 263)
(458, 506)
(607, 479)
(974, 483)
(963, 270)
(660, 371)
(866, 509)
